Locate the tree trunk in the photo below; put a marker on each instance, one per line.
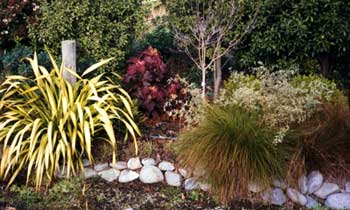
(326, 62)
(203, 84)
(218, 77)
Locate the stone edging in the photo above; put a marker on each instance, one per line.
(312, 190)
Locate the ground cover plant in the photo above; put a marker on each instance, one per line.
(47, 125)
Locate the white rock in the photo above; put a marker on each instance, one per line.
(120, 165)
(338, 201)
(255, 187)
(148, 162)
(101, 166)
(311, 203)
(134, 163)
(150, 175)
(109, 175)
(277, 197)
(191, 184)
(347, 187)
(302, 183)
(89, 173)
(314, 182)
(86, 163)
(166, 166)
(127, 176)
(129, 209)
(279, 183)
(184, 173)
(296, 196)
(327, 189)
(173, 179)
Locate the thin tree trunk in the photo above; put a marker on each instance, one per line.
(218, 77)
(203, 85)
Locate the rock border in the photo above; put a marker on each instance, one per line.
(312, 190)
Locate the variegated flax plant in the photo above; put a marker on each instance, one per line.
(47, 125)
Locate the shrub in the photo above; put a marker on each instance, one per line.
(322, 141)
(147, 79)
(47, 125)
(234, 148)
(283, 98)
(13, 61)
(15, 16)
(102, 28)
(160, 38)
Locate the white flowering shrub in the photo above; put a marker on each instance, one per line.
(283, 96)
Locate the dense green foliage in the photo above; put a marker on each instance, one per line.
(12, 62)
(47, 125)
(234, 147)
(306, 33)
(102, 28)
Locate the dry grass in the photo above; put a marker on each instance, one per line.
(234, 147)
(322, 142)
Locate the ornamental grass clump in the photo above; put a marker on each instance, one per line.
(47, 125)
(234, 147)
(321, 142)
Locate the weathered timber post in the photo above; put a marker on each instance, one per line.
(69, 59)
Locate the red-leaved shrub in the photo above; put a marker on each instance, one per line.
(148, 80)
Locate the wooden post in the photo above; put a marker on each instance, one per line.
(69, 59)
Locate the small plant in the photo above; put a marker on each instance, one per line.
(148, 80)
(234, 147)
(47, 125)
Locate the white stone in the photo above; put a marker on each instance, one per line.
(296, 196)
(338, 201)
(127, 176)
(311, 203)
(173, 179)
(101, 166)
(166, 166)
(184, 173)
(134, 163)
(347, 187)
(302, 183)
(89, 173)
(191, 184)
(86, 163)
(120, 165)
(277, 197)
(129, 209)
(327, 189)
(109, 175)
(279, 183)
(150, 175)
(255, 187)
(314, 182)
(148, 162)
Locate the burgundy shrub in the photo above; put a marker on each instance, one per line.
(148, 80)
